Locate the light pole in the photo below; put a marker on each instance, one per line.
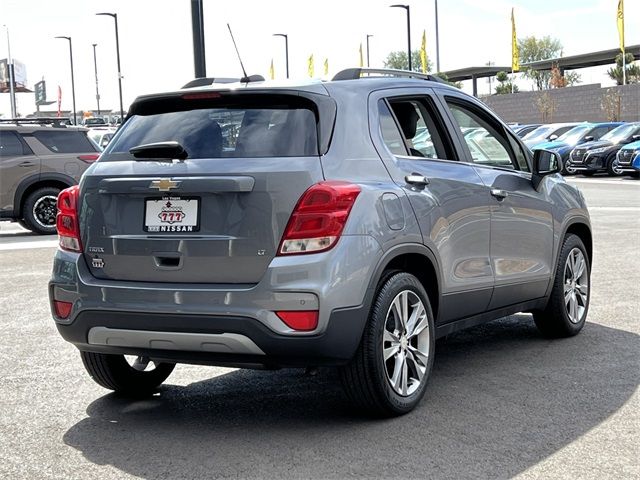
(437, 41)
(286, 48)
(12, 78)
(73, 85)
(406, 7)
(95, 67)
(368, 36)
(115, 18)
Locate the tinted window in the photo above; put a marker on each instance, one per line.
(226, 132)
(487, 145)
(64, 141)
(596, 133)
(562, 130)
(389, 130)
(10, 144)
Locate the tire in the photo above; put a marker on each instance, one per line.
(39, 211)
(558, 319)
(114, 373)
(612, 167)
(368, 379)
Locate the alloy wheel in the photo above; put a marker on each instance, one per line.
(405, 343)
(576, 285)
(45, 210)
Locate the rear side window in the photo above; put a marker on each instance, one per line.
(226, 132)
(64, 141)
(10, 145)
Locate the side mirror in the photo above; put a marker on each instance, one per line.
(545, 162)
(636, 138)
(553, 137)
(589, 138)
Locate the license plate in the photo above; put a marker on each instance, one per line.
(172, 214)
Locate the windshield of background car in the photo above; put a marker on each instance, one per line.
(539, 133)
(574, 135)
(226, 132)
(621, 132)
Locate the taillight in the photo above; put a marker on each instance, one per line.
(319, 218)
(89, 158)
(67, 220)
(303, 321)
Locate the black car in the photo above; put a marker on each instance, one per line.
(600, 155)
(522, 130)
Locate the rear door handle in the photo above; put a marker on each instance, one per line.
(416, 179)
(498, 193)
(26, 164)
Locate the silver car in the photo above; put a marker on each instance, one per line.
(313, 230)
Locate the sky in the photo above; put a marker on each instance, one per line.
(157, 54)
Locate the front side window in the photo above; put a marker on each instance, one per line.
(487, 145)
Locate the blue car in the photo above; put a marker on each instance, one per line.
(628, 158)
(586, 132)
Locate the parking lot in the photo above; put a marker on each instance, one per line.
(502, 401)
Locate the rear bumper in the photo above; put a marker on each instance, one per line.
(225, 324)
(215, 340)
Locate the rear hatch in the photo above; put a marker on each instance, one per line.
(218, 215)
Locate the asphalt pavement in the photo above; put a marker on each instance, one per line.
(502, 402)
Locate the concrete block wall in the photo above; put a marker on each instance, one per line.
(573, 104)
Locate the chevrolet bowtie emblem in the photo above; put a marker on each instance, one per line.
(164, 184)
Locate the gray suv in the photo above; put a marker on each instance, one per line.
(348, 223)
(37, 161)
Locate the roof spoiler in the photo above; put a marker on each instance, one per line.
(201, 82)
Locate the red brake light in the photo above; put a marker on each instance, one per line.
(303, 321)
(62, 309)
(319, 218)
(200, 95)
(67, 220)
(89, 158)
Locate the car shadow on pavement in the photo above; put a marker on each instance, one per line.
(500, 400)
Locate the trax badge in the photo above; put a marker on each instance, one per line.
(164, 184)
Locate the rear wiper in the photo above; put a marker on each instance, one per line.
(160, 150)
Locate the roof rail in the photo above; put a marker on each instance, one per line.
(56, 121)
(201, 82)
(355, 73)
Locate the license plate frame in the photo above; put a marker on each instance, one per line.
(171, 226)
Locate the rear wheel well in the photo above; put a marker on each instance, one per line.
(582, 231)
(420, 267)
(38, 185)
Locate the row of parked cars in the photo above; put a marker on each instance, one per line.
(588, 148)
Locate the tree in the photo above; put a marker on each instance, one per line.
(546, 106)
(504, 85)
(399, 61)
(632, 70)
(532, 50)
(558, 80)
(611, 105)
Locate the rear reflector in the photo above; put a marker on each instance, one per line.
(89, 158)
(62, 309)
(303, 321)
(319, 218)
(67, 220)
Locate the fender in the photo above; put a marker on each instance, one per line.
(37, 178)
(576, 219)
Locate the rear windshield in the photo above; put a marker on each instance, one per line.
(226, 132)
(65, 141)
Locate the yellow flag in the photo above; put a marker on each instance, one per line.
(272, 73)
(361, 59)
(310, 66)
(423, 52)
(515, 54)
(621, 24)
(326, 67)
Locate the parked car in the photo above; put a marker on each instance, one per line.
(578, 135)
(547, 133)
(628, 158)
(102, 135)
(599, 156)
(522, 130)
(91, 122)
(38, 160)
(323, 235)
